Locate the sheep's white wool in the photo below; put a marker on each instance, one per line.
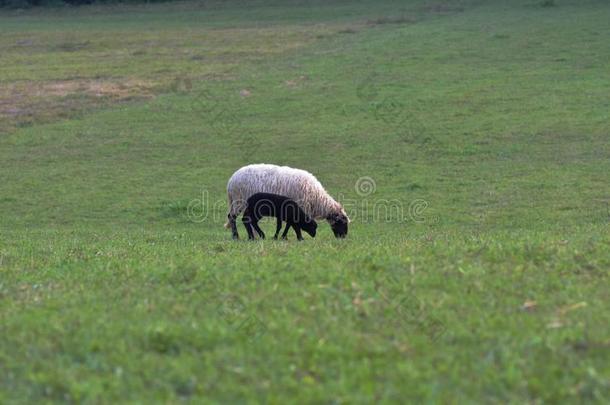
(299, 185)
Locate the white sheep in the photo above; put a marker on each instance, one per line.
(299, 185)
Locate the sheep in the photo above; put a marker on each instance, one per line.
(296, 184)
(284, 209)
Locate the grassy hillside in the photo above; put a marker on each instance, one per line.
(468, 141)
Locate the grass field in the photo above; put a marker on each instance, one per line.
(469, 141)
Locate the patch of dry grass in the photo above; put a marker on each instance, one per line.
(50, 74)
(402, 19)
(28, 102)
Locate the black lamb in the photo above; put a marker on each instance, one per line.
(283, 208)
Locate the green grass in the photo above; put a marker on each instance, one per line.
(485, 123)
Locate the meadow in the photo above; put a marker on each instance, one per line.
(469, 142)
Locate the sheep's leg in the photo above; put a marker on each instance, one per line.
(232, 222)
(278, 228)
(258, 229)
(236, 207)
(297, 230)
(248, 225)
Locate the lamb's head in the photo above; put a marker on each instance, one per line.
(338, 223)
(309, 226)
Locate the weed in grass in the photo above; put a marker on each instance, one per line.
(367, 90)
(409, 310)
(232, 309)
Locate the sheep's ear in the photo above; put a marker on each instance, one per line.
(344, 215)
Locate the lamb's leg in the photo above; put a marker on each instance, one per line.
(297, 229)
(278, 228)
(232, 219)
(258, 229)
(285, 233)
(248, 224)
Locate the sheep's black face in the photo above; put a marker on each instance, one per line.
(310, 226)
(338, 223)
